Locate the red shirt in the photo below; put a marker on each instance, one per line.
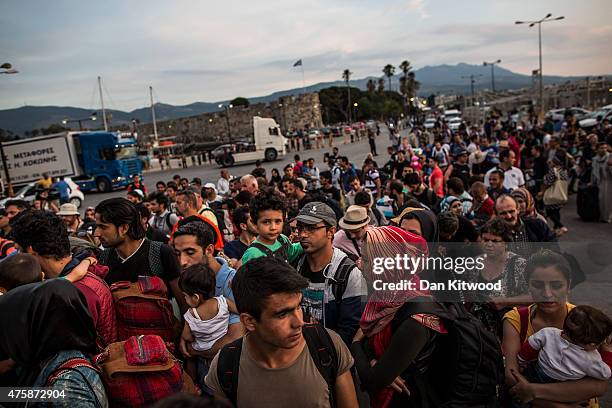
(436, 175)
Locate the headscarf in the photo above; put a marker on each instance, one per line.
(427, 219)
(41, 319)
(387, 242)
(525, 195)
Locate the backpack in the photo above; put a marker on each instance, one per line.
(321, 348)
(476, 376)
(281, 253)
(220, 216)
(143, 308)
(339, 281)
(157, 269)
(72, 364)
(141, 371)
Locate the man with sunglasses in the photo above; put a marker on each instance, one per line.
(336, 287)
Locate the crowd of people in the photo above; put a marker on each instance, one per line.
(172, 295)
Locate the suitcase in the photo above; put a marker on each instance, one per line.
(587, 203)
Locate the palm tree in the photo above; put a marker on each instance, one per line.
(389, 70)
(404, 82)
(381, 85)
(371, 85)
(346, 75)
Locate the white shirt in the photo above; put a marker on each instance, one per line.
(513, 178)
(565, 361)
(207, 332)
(222, 186)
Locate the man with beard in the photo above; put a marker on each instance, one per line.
(128, 253)
(335, 285)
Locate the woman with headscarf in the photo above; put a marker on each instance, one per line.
(526, 204)
(418, 221)
(44, 326)
(557, 173)
(392, 339)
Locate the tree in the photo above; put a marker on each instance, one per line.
(389, 70)
(381, 85)
(346, 75)
(240, 101)
(371, 86)
(53, 128)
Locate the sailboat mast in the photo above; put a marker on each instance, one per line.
(153, 115)
(102, 103)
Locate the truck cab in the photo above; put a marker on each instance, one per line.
(268, 144)
(108, 160)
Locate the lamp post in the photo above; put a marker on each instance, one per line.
(355, 105)
(492, 64)
(539, 23)
(93, 116)
(7, 69)
(227, 108)
(472, 79)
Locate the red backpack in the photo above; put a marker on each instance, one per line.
(141, 371)
(143, 308)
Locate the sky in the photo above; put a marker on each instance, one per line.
(200, 50)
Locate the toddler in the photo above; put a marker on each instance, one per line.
(207, 319)
(571, 353)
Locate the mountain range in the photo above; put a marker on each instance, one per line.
(443, 79)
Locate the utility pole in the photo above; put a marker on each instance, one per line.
(588, 85)
(102, 103)
(539, 23)
(472, 79)
(492, 64)
(155, 138)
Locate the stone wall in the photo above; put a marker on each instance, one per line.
(290, 112)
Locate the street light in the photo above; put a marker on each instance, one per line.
(227, 108)
(93, 116)
(539, 23)
(492, 64)
(8, 69)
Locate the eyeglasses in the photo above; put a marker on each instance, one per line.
(308, 228)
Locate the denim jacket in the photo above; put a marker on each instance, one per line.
(83, 387)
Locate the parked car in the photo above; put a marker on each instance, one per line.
(605, 112)
(28, 193)
(430, 123)
(454, 123)
(559, 114)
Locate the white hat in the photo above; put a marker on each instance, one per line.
(68, 209)
(210, 185)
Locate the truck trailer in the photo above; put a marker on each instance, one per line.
(101, 161)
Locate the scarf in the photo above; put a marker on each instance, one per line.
(387, 242)
(41, 319)
(525, 195)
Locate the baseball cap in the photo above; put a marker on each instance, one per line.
(210, 185)
(315, 212)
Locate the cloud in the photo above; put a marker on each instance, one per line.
(418, 6)
(192, 50)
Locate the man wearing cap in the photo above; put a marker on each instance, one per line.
(351, 237)
(211, 194)
(335, 284)
(70, 215)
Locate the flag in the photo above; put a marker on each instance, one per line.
(298, 63)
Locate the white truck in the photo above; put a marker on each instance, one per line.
(268, 144)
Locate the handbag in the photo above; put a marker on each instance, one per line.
(557, 193)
